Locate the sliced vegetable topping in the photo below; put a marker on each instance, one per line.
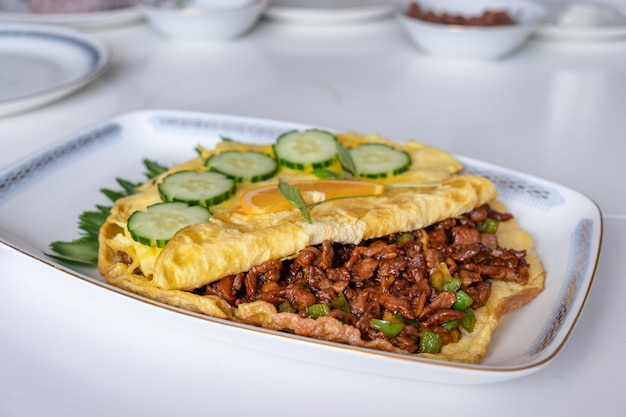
(157, 225)
(406, 237)
(463, 301)
(197, 188)
(318, 310)
(430, 342)
(310, 149)
(286, 307)
(451, 284)
(250, 166)
(452, 324)
(488, 226)
(341, 303)
(379, 160)
(469, 320)
(388, 328)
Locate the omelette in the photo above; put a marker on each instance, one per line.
(342, 237)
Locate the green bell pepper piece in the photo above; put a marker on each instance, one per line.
(463, 301)
(451, 284)
(318, 310)
(449, 325)
(405, 237)
(469, 320)
(488, 226)
(340, 303)
(286, 307)
(389, 329)
(430, 342)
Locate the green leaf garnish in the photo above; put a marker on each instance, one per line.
(129, 187)
(112, 194)
(294, 197)
(80, 251)
(84, 250)
(154, 169)
(326, 174)
(345, 159)
(91, 221)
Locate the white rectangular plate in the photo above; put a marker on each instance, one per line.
(42, 197)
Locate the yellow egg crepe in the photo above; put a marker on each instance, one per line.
(239, 249)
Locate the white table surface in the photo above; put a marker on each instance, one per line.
(554, 110)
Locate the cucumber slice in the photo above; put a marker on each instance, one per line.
(156, 226)
(197, 188)
(310, 149)
(250, 166)
(379, 160)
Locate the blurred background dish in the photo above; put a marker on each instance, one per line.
(328, 12)
(585, 20)
(478, 29)
(206, 20)
(64, 6)
(41, 64)
(210, 5)
(76, 13)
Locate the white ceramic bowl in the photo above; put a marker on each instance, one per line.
(202, 20)
(490, 42)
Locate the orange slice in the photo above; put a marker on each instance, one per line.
(268, 199)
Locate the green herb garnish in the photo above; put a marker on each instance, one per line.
(345, 159)
(327, 174)
(84, 250)
(294, 197)
(154, 169)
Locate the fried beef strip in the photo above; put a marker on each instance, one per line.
(393, 278)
